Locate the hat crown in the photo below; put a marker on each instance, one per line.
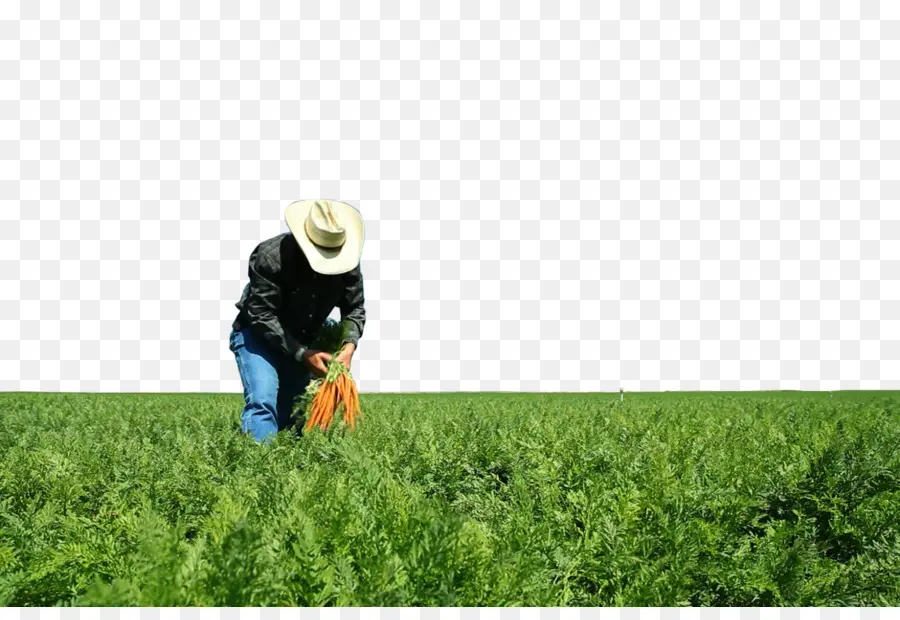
(323, 226)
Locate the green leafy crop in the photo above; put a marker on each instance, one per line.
(788, 499)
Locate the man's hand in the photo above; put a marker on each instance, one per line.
(316, 362)
(346, 354)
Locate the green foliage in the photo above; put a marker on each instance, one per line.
(785, 499)
(330, 336)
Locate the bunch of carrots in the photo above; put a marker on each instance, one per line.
(337, 388)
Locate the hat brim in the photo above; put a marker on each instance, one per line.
(324, 260)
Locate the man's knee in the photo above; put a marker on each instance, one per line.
(262, 396)
(259, 407)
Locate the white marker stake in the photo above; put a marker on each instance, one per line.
(621, 395)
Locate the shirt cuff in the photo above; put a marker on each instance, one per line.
(298, 354)
(351, 333)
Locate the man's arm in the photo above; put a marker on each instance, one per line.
(353, 308)
(263, 303)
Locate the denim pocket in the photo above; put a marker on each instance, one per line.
(235, 340)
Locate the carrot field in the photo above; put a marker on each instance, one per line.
(454, 500)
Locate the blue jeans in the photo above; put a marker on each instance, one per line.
(271, 382)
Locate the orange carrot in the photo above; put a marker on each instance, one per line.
(332, 404)
(336, 392)
(354, 397)
(326, 403)
(315, 413)
(339, 384)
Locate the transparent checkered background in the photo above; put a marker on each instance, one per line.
(559, 195)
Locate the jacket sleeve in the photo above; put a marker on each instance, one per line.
(264, 301)
(352, 306)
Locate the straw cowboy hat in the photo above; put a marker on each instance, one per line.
(329, 232)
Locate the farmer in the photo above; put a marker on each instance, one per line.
(296, 280)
